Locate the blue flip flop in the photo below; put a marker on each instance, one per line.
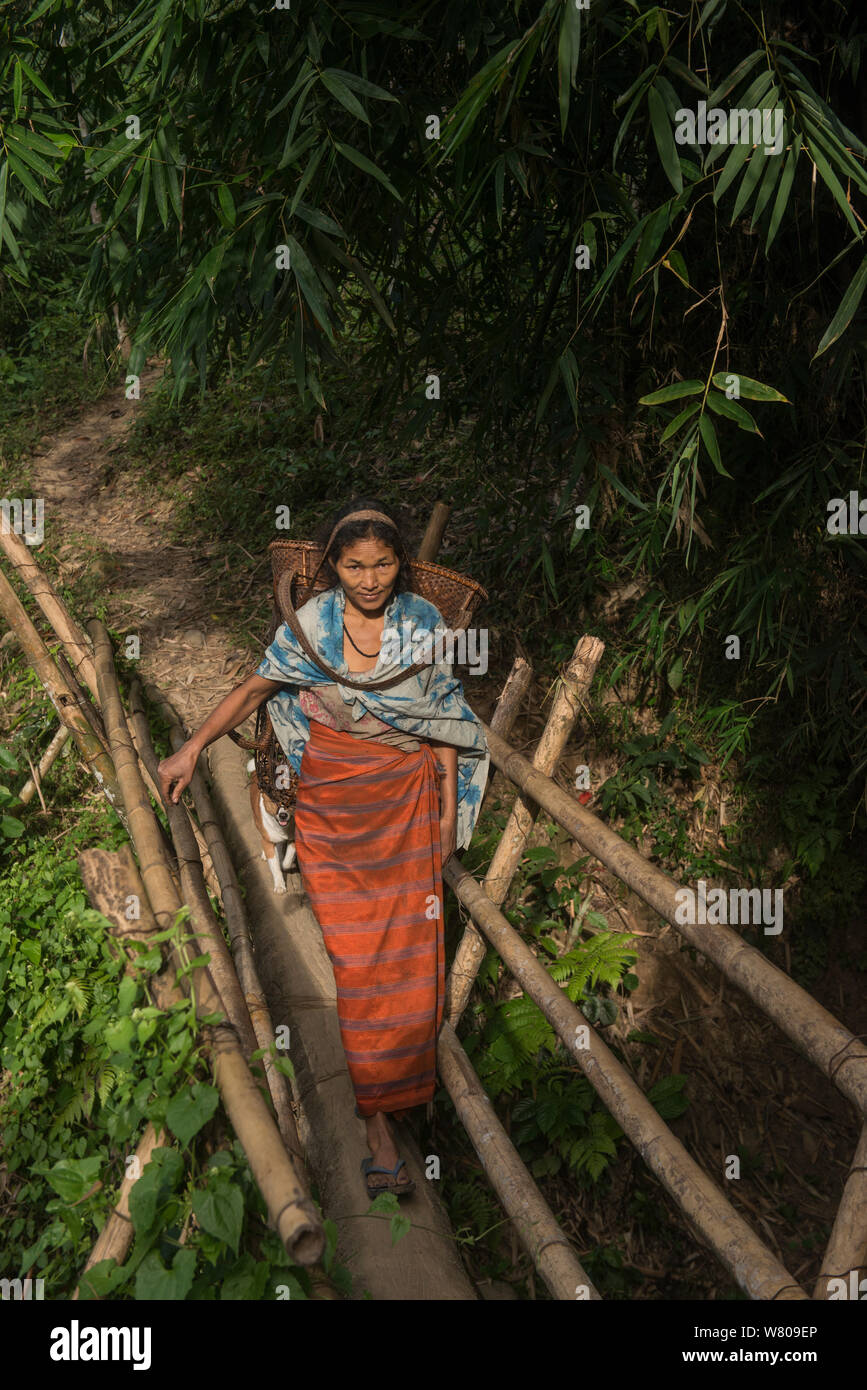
(399, 1189)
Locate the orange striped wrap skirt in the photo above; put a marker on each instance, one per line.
(367, 836)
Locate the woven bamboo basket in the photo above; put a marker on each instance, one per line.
(456, 596)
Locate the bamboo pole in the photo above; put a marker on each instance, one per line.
(52, 606)
(527, 1209)
(755, 1268)
(206, 926)
(238, 925)
(432, 538)
(576, 681)
(79, 653)
(814, 1031)
(509, 704)
(847, 1247)
(144, 830)
(292, 1213)
(57, 743)
(92, 752)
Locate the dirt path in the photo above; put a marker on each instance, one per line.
(103, 522)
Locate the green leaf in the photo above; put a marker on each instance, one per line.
(219, 1210)
(667, 1097)
(675, 674)
(188, 1111)
(153, 1281)
(126, 994)
(16, 87)
(732, 411)
(362, 162)
(621, 487)
(708, 434)
(784, 188)
(568, 51)
(11, 827)
(72, 1177)
(664, 137)
(338, 88)
(753, 390)
(159, 1179)
(674, 392)
(846, 310)
(309, 284)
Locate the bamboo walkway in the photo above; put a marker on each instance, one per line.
(305, 1137)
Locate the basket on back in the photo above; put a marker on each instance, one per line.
(456, 597)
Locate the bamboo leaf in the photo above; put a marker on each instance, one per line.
(711, 443)
(338, 88)
(753, 390)
(732, 411)
(227, 203)
(664, 137)
(679, 420)
(783, 191)
(674, 392)
(621, 487)
(362, 162)
(24, 176)
(846, 311)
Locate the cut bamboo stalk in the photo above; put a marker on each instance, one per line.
(115, 1238)
(432, 538)
(239, 928)
(576, 681)
(755, 1268)
(524, 1204)
(58, 742)
(94, 756)
(53, 607)
(814, 1031)
(847, 1247)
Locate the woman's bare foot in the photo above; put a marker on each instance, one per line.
(384, 1151)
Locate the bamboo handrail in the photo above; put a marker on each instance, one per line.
(524, 1204)
(63, 699)
(53, 607)
(433, 535)
(814, 1031)
(576, 681)
(238, 926)
(847, 1246)
(755, 1268)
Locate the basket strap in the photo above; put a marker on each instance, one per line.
(284, 596)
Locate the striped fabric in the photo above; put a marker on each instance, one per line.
(367, 835)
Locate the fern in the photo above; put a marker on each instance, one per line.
(601, 960)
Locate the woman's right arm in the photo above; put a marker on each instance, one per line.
(229, 713)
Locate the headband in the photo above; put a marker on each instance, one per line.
(365, 515)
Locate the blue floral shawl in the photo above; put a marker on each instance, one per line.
(430, 704)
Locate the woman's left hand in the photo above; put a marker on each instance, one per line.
(448, 836)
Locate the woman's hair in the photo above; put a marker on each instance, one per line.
(367, 529)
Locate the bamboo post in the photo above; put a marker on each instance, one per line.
(239, 928)
(57, 743)
(432, 538)
(94, 755)
(509, 704)
(576, 680)
(814, 1031)
(527, 1209)
(847, 1247)
(755, 1268)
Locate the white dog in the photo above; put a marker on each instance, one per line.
(271, 822)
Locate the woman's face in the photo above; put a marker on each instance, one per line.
(367, 571)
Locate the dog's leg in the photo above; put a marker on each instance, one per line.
(269, 849)
(289, 856)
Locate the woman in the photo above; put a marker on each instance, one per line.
(390, 785)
